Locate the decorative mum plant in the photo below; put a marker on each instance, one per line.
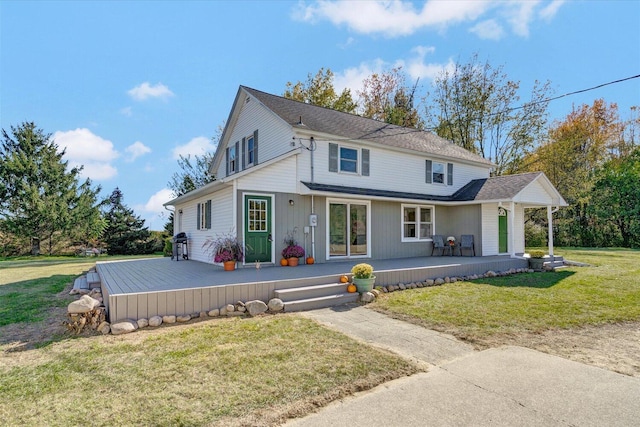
(536, 253)
(362, 271)
(292, 250)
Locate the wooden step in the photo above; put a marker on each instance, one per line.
(81, 283)
(93, 279)
(307, 292)
(320, 302)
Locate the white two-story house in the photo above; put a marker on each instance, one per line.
(349, 187)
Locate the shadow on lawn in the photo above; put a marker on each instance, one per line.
(540, 280)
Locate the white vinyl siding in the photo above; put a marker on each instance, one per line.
(390, 170)
(280, 176)
(272, 130)
(489, 229)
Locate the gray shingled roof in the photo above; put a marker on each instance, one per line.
(503, 187)
(354, 127)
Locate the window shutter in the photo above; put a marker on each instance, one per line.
(365, 162)
(227, 173)
(333, 157)
(198, 218)
(237, 155)
(449, 173)
(255, 147)
(428, 175)
(244, 153)
(207, 215)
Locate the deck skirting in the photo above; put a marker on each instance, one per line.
(144, 288)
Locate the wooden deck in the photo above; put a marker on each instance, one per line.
(143, 288)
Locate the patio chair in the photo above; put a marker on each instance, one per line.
(466, 242)
(438, 243)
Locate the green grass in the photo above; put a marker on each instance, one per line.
(28, 285)
(606, 292)
(228, 371)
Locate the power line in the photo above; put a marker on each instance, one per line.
(571, 93)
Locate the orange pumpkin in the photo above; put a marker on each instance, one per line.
(344, 279)
(351, 288)
(310, 260)
(284, 262)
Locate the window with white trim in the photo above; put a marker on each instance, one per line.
(233, 159)
(348, 160)
(438, 173)
(249, 159)
(417, 223)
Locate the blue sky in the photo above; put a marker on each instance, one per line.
(127, 86)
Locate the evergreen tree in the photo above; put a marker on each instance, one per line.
(39, 198)
(125, 233)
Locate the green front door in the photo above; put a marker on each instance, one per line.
(503, 234)
(257, 229)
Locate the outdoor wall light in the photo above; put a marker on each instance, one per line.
(291, 202)
(180, 211)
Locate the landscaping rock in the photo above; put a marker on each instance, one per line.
(235, 313)
(453, 280)
(439, 281)
(104, 328)
(223, 311)
(84, 305)
(430, 282)
(375, 292)
(490, 273)
(420, 285)
(367, 297)
(275, 305)
(402, 286)
(143, 323)
(230, 308)
(183, 318)
(202, 314)
(125, 327)
(256, 307)
(241, 309)
(214, 313)
(169, 319)
(155, 321)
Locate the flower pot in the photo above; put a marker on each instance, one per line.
(229, 265)
(536, 264)
(364, 285)
(293, 262)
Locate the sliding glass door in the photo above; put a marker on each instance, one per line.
(348, 229)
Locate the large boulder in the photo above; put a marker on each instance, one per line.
(125, 327)
(275, 305)
(256, 307)
(84, 305)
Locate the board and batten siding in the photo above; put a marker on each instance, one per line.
(274, 136)
(386, 234)
(388, 170)
(489, 229)
(221, 221)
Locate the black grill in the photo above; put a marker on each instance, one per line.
(180, 247)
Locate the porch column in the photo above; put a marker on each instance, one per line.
(550, 229)
(511, 227)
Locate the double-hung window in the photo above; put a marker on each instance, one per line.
(250, 146)
(417, 223)
(204, 215)
(437, 173)
(232, 159)
(348, 160)
(351, 160)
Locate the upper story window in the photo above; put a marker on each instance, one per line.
(250, 151)
(349, 159)
(232, 158)
(439, 173)
(417, 222)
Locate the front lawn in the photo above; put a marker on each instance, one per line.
(606, 292)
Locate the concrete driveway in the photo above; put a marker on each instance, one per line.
(506, 386)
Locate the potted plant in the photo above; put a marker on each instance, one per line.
(292, 251)
(226, 249)
(536, 260)
(363, 277)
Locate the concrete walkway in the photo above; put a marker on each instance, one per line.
(507, 386)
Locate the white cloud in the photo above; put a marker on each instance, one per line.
(154, 204)
(391, 18)
(548, 12)
(145, 90)
(394, 18)
(198, 145)
(136, 150)
(418, 68)
(85, 148)
(126, 111)
(489, 29)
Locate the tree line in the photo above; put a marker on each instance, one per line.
(592, 157)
